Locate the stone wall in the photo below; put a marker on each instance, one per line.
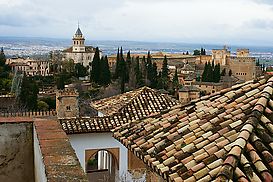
(16, 152)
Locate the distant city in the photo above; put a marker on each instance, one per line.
(23, 46)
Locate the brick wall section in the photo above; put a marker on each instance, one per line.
(60, 160)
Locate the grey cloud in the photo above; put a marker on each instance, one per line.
(259, 24)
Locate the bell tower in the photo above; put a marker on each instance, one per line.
(78, 41)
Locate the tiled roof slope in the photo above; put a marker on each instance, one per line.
(111, 105)
(136, 104)
(225, 137)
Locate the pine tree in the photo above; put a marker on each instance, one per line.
(95, 69)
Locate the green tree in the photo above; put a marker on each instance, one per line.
(223, 73)
(2, 57)
(196, 52)
(210, 73)
(128, 66)
(122, 74)
(150, 69)
(175, 80)
(95, 67)
(139, 77)
(154, 79)
(216, 73)
(29, 93)
(165, 73)
(258, 62)
(203, 51)
(117, 69)
(105, 77)
(42, 106)
(80, 70)
(68, 66)
(60, 81)
(160, 84)
(230, 73)
(205, 73)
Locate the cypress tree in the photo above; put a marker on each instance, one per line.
(230, 73)
(175, 80)
(154, 76)
(122, 73)
(165, 73)
(216, 74)
(139, 78)
(2, 57)
(29, 93)
(117, 65)
(210, 73)
(95, 69)
(205, 73)
(128, 66)
(223, 73)
(105, 77)
(150, 69)
(160, 81)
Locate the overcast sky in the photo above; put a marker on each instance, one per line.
(191, 21)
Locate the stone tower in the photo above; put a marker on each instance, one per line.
(78, 41)
(67, 103)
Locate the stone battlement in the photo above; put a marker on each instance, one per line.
(67, 92)
(29, 114)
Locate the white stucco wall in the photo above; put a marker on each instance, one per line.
(39, 167)
(82, 142)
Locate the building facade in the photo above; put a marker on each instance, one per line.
(30, 67)
(67, 105)
(79, 52)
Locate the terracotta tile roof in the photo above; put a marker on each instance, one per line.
(121, 109)
(224, 137)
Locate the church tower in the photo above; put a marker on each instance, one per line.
(78, 41)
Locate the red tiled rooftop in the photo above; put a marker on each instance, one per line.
(132, 105)
(224, 137)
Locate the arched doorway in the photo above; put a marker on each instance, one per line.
(102, 166)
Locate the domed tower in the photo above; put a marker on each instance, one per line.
(78, 41)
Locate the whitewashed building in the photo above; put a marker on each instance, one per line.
(101, 156)
(79, 52)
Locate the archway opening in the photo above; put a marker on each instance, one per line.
(102, 166)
